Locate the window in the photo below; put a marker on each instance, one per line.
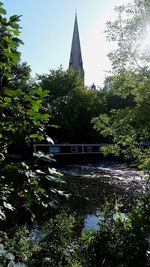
(74, 149)
(89, 148)
(54, 149)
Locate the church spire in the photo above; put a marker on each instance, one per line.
(75, 61)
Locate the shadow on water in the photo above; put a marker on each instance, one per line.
(91, 185)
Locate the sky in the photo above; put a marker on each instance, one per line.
(47, 28)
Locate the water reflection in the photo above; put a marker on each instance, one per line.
(91, 221)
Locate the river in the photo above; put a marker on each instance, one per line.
(92, 184)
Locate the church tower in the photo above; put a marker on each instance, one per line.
(75, 61)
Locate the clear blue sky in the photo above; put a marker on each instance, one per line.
(47, 28)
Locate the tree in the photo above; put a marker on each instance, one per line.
(129, 32)
(22, 122)
(72, 106)
(22, 112)
(21, 77)
(126, 125)
(9, 32)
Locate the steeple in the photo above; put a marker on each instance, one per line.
(75, 61)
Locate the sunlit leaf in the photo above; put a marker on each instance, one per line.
(54, 172)
(45, 205)
(54, 179)
(37, 136)
(3, 11)
(40, 172)
(25, 165)
(49, 140)
(2, 215)
(7, 99)
(41, 155)
(8, 75)
(8, 206)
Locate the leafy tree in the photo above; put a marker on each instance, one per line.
(9, 32)
(119, 241)
(23, 117)
(22, 121)
(126, 124)
(71, 105)
(126, 127)
(129, 32)
(30, 188)
(22, 112)
(21, 77)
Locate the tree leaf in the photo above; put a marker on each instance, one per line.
(2, 215)
(8, 75)
(3, 11)
(49, 140)
(37, 136)
(8, 206)
(7, 99)
(45, 205)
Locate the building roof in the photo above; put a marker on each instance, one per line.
(75, 61)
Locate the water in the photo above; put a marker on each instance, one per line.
(91, 185)
(91, 221)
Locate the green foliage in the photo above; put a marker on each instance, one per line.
(4, 204)
(23, 116)
(20, 77)
(128, 31)
(59, 246)
(60, 98)
(22, 113)
(126, 125)
(9, 30)
(30, 186)
(21, 246)
(122, 241)
(71, 105)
